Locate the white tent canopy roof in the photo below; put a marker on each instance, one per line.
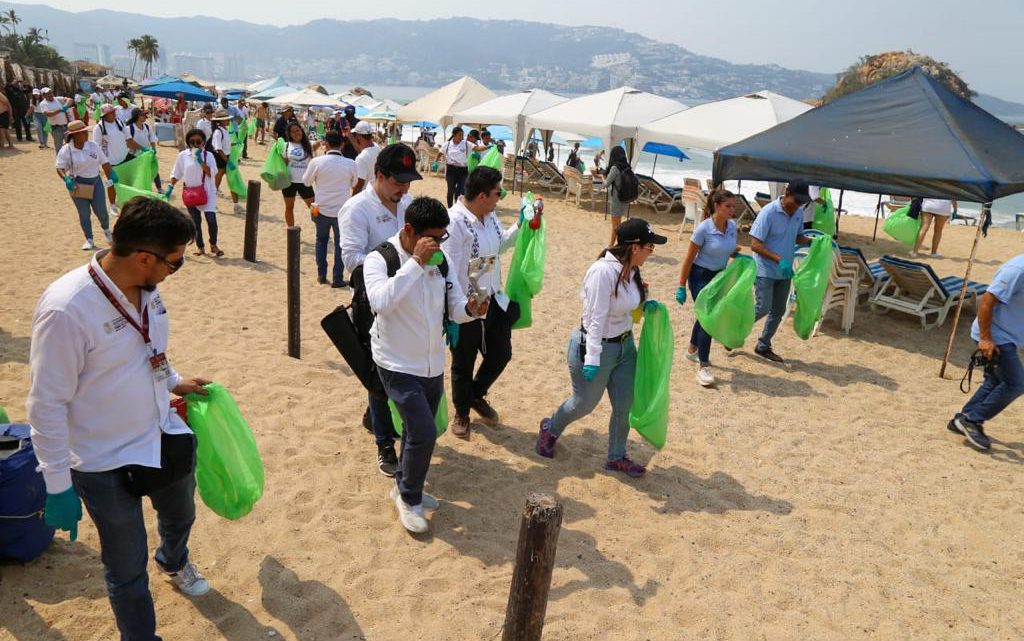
(306, 98)
(438, 106)
(273, 93)
(717, 124)
(510, 111)
(611, 115)
(264, 85)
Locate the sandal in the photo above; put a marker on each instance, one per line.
(199, 252)
(216, 251)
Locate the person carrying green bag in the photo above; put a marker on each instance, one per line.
(275, 170)
(824, 213)
(601, 352)
(649, 414)
(712, 244)
(811, 282)
(899, 226)
(526, 271)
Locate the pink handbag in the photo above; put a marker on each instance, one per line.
(194, 196)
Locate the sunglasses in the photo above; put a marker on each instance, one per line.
(172, 266)
(440, 239)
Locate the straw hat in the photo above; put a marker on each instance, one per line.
(77, 127)
(220, 114)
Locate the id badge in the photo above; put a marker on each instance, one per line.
(161, 368)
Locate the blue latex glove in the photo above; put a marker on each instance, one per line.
(522, 215)
(590, 371)
(69, 182)
(451, 334)
(785, 268)
(681, 294)
(168, 192)
(63, 511)
(650, 304)
(113, 176)
(232, 166)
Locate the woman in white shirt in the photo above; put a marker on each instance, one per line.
(601, 352)
(141, 137)
(220, 145)
(935, 210)
(79, 162)
(197, 167)
(456, 154)
(297, 154)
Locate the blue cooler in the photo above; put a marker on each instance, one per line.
(23, 532)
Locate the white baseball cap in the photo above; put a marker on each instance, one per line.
(363, 127)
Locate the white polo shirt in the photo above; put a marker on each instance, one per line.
(469, 237)
(94, 403)
(206, 127)
(605, 313)
(81, 163)
(332, 177)
(54, 105)
(112, 137)
(365, 223)
(366, 161)
(143, 136)
(457, 154)
(407, 332)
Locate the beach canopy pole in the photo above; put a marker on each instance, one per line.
(878, 210)
(986, 211)
(839, 212)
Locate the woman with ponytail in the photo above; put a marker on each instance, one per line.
(601, 353)
(712, 244)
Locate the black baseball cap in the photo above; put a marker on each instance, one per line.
(399, 162)
(638, 230)
(350, 109)
(798, 189)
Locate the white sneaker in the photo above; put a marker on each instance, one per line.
(88, 245)
(239, 209)
(914, 255)
(109, 236)
(189, 581)
(705, 377)
(936, 255)
(692, 357)
(114, 211)
(411, 516)
(428, 502)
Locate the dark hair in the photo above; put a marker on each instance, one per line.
(425, 213)
(473, 132)
(334, 139)
(194, 131)
(148, 223)
(482, 181)
(136, 112)
(484, 132)
(308, 148)
(718, 196)
(624, 252)
(617, 158)
(456, 130)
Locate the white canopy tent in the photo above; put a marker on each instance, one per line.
(510, 111)
(717, 124)
(306, 98)
(438, 106)
(610, 115)
(270, 83)
(267, 94)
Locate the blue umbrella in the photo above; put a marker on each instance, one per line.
(172, 89)
(662, 149)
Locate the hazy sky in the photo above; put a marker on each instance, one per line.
(983, 40)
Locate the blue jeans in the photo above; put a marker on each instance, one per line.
(123, 547)
(98, 204)
(40, 128)
(1000, 388)
(772, 296)
(380, 420)
(698, 280)
(616, 374)
(325, 225)
(417, 399)
(211, 223)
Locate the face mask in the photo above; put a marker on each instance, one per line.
(436, 259)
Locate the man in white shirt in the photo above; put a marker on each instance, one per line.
(414, 301)
(112, 137)
(366, 161)
(475, 232)
(56, 112)
(204, 125)
(332, 177)
(124, 109)
(366, 220)
(99, 405)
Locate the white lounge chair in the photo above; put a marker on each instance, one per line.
(581, 186)
(871, 275)
(659, 197)
(914, 288)
(694, 200)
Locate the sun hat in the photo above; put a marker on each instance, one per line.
(638, 230)
(47, 90)
(363, 127)
(221, 114)
(107, 108)
(76, 127)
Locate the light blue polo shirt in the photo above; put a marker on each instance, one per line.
(1008, 314)
(716, 247)
(778, 231)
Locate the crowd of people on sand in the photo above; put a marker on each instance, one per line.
(415, 296)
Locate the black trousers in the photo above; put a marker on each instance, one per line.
(19, 124)
(491, 337)
(456, 178)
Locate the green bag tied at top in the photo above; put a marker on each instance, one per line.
(902, 227)
(229, 471)
(235, 181)
(526, 271)
(251, 126)
(440, 417)
(649, 414)
(810, 280)
(135, 178)
(725, 307)
(275, 169)
(825, 214)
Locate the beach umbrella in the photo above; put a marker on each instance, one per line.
(510, 111)
(306, 98)
(439, 105)
(172, 89)
(149, 82)
(661, 149)
(379, 116)
(265, 85)
(267, 94)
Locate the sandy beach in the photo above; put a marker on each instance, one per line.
(822, 499)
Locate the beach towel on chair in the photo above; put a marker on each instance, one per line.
(725, 307)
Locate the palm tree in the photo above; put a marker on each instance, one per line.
(10, 17)
(149, 51)
(35, 36)
(133, 46)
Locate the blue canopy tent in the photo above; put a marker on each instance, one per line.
(172, 89)
(906, 135)
(149, 82)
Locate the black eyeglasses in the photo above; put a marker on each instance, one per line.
(172, 266)
(440, 239)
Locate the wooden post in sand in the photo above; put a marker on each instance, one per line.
(531, 576)
(293, 291)
(252, 220)
(986, 210)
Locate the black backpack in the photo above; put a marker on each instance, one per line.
(348, 327)
(628, 187)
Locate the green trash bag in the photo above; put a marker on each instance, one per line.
(4, 420)
(649, 414)
(135, 178)
(81, 109)
(810, 280)
(440, 418)
(275, 169)
(235, 181)
(250, 129)
(229, 472)
(902, 227)
(48, 128)
(725, 307)
(495, 160)
(320, 130)
(526, 272)
(472, 161)
(825, 214)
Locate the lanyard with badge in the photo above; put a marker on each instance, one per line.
(158, 361)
